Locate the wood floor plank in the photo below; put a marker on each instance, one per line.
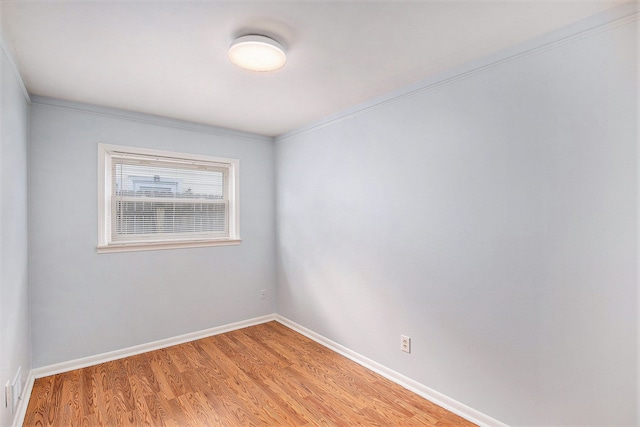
(251, 370)
(264, 375)
(144, 414)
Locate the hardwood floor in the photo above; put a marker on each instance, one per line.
(264, 375)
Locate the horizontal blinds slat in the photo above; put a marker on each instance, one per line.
(160, 237)
(180, 200)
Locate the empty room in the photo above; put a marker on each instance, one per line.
(319, 213)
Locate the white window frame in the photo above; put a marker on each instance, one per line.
(105, 242)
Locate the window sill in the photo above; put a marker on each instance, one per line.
(155, 246)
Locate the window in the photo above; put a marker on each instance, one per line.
(150, 199)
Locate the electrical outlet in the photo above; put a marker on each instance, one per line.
(263, 293)
(12, 391)
(405, 343)
(16, 388)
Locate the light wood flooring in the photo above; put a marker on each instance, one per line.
(264, 375)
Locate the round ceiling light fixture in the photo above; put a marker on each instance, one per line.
(257, 53)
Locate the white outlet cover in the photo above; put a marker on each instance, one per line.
(12, 391)
(15, 394)
(405, 343)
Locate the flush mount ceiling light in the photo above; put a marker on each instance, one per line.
(257, 53)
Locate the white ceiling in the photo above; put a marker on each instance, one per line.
(169, 57)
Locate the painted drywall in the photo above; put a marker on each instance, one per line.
(14, 290)
(85, 303)
(492, 218)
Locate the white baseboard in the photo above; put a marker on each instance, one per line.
(436, 397)
(57, 368)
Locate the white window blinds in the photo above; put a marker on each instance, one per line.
(153, 198)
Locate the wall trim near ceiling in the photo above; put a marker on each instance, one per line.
(624, 14)
(48, 102)
(14, 67)
(440, 399)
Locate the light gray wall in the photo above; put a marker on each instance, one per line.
(492, 219)
(84, 303)
(14, 291)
